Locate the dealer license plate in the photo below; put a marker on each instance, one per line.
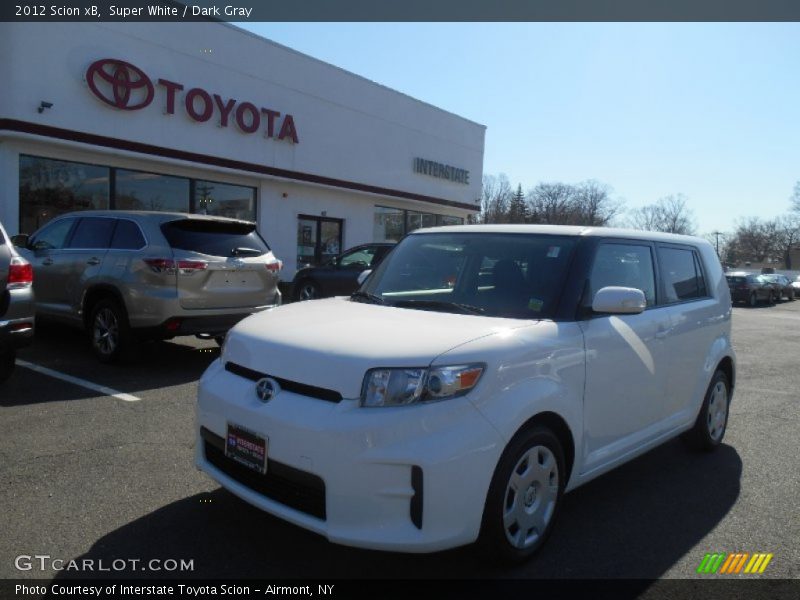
(246, 447)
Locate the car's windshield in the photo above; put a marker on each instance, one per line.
(493, 274)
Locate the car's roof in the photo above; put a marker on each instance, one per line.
(151, 215)
(569, 230)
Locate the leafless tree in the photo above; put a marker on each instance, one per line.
(755, 240)
(495, 197)
(552, 203)
(669, 214)
(594, 203)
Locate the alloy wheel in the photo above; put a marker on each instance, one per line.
(105, 333)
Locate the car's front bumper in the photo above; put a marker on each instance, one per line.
(411, 479)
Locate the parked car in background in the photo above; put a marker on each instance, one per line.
(782, 286)
(127, 276)
(478, 374)
(796, 286)
(16, 304)
(339, 276)
(750, 288)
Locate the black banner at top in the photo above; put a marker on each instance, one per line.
(399, 10)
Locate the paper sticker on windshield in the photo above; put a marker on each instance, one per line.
(552, 251)
(535, 304)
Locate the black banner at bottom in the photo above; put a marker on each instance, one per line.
(406, 589)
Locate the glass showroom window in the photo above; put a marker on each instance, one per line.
(417, 220)
(225, 200)
(389, 224)
(48, 188)
(137, 190)
(448, 220)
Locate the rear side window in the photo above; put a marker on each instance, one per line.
(683, 277)
(127, 236)
(215, 238)
(92, 232)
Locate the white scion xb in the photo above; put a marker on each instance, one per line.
(478, 374)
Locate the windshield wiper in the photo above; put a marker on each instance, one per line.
(467, 309)
(360, 296)
(250, 251)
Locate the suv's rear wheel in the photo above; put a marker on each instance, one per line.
(7, 360)
(524, 496)
(109, 332)
(711, 423)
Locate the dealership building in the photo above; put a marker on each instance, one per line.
(209, 118)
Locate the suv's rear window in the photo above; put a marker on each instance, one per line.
(215, 238)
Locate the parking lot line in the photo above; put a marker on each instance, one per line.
(106, 391)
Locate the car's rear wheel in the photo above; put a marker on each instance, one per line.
(753, 299)
(109, 332)
(524, 496)
(307, 290)
(7, 360)
(712, 421)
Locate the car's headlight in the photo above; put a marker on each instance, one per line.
(400, 387)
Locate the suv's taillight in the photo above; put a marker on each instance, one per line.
(167, 265)
(20, 274)
(275, 266)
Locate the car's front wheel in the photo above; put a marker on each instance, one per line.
(109, 332)
(753, 299)
(7, 360)
(712, 422)
(307, 290)
(524, 496)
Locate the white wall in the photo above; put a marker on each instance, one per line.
(349, 128)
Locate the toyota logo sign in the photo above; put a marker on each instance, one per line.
(120, 84)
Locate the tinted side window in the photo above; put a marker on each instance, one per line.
(215, 238)
(127, 236)
(625, 265)
(362, 257)
(702, 289)
(682, 281)
(54, 236)
(92, 232)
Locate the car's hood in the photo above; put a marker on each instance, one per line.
(332, 343)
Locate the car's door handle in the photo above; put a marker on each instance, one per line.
(47, 261)
(93, 261)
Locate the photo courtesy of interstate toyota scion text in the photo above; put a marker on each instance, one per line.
(478, 374)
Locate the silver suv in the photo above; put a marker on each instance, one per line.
(126, 276)
(16, 304)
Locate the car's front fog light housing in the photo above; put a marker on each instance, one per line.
(401, 387)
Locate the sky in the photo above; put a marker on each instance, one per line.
(708, 110)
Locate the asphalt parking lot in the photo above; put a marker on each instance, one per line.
(89, 475)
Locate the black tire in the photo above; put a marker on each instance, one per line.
(7, 361)
(542, 496)
(710, 426)
(307, 289)
(790, 295)
(753, 300)
(109, 331)
(771, 301)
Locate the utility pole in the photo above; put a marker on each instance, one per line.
(717, 234)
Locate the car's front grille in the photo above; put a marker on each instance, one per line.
(292, 487)
(290, 386)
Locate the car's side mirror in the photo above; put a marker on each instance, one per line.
(20, 240)
(619, 301)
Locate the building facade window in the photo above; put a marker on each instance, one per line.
(49, 188)
(391, 224)
(139, 190)
(224, 200)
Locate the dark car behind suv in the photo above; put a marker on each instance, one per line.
(127, 275)
(16, 304)
(339, 276)
(750, 288)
